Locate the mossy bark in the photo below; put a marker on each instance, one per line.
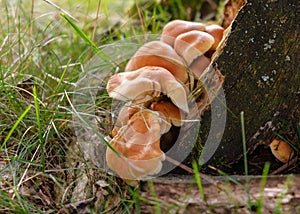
(260, 62)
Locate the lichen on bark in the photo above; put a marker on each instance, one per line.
(260, 65)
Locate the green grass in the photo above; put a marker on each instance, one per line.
(198, 180)
(44, 48)
(262, 187)
(41, 59)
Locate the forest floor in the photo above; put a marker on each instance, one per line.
(278, 192)
(281, 194)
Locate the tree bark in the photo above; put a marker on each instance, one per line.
(260, 62)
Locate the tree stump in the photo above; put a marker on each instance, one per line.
(260, 62)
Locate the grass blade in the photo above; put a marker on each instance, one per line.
(80, 32)
(62, 76)
(80, 118)
(245, 159)
(153, 193)
(287, 186)
(37, 113)
(198, 180)
(14, 127)
(88, 41)
(262, 187)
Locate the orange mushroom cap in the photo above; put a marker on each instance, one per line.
(147, 81)
(217, 32)
(169, 110)
(157, 53)
(193, 44)
(176, 27)
(281, 150)
(138, 148)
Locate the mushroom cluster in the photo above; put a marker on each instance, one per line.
(155, 86)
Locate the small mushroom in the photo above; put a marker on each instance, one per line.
(217, 32)
(281, 150)
(157, 53)
(177, 27)
(149, 81)
(169, 111)
(137, 147)
(193, 44)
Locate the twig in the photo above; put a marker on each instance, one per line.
(76, 204)
(31, 17)
(3, 43)
(61, 10)
(96, 20)
(140, 17)
(26, 170)
(285, 166)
